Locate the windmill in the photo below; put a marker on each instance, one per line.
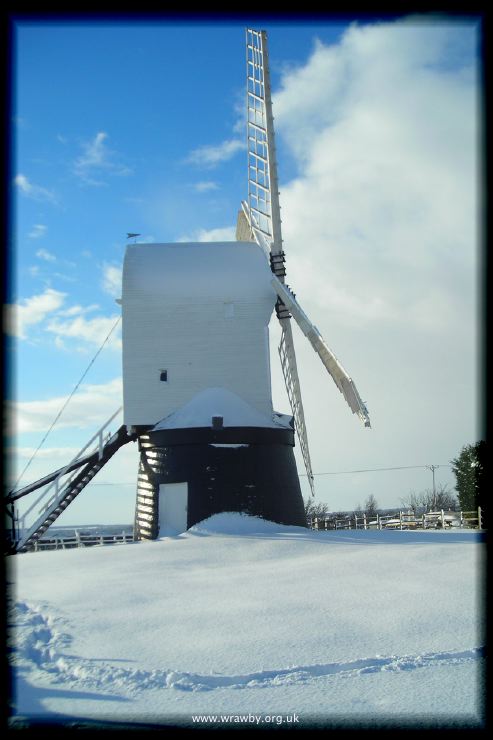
(196, 366)
(221, 447)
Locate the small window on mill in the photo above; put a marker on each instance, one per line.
(163, 375)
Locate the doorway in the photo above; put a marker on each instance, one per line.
(173, 506)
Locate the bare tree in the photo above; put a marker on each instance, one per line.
(371, 505)
(413, 501)
(442, 498)
(315, 509)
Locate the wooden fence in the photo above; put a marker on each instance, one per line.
(82, 540)
(403, 520)
(397, 520)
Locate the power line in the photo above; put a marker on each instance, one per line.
(304, 475)
(66, 403)
(375, 470)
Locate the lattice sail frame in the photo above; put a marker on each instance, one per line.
(263, 211)
(259, 181)
(290, 373)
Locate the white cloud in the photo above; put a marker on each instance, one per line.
(36, 192)
(37, 231)
(212, 155)
(239, 126)
(32, 311)
(222, 234)
(65, 278)
(205, 186)
(43, 254)
(78, 310)
(112, 280)
(386, 145)
(95, 153)
(93, 331)
(70, 323)
(380, 229)
(97, 161)
(90, 407)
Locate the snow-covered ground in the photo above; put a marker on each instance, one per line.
(242, 617)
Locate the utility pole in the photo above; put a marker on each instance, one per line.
(433, 468)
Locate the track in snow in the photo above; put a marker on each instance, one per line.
(39, 640)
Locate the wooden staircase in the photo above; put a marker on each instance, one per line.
(69, 491)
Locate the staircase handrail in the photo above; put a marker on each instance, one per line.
(55, 482)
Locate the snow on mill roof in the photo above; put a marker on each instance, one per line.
(198, 412)
(198, 269)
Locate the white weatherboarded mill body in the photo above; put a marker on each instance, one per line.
(195, 316)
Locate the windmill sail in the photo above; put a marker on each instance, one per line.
(290, 372)
(263, 195)
(261, 216)
(336, 370)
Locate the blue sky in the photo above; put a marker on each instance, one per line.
(106, 120)
(134, 127)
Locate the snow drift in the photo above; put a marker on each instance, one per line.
(240, 616)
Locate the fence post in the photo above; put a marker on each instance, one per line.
(480, 522)
(379, 523)
(423, 520)
(77, 538)
(443, 518)
(400, 519)
(364, 520)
